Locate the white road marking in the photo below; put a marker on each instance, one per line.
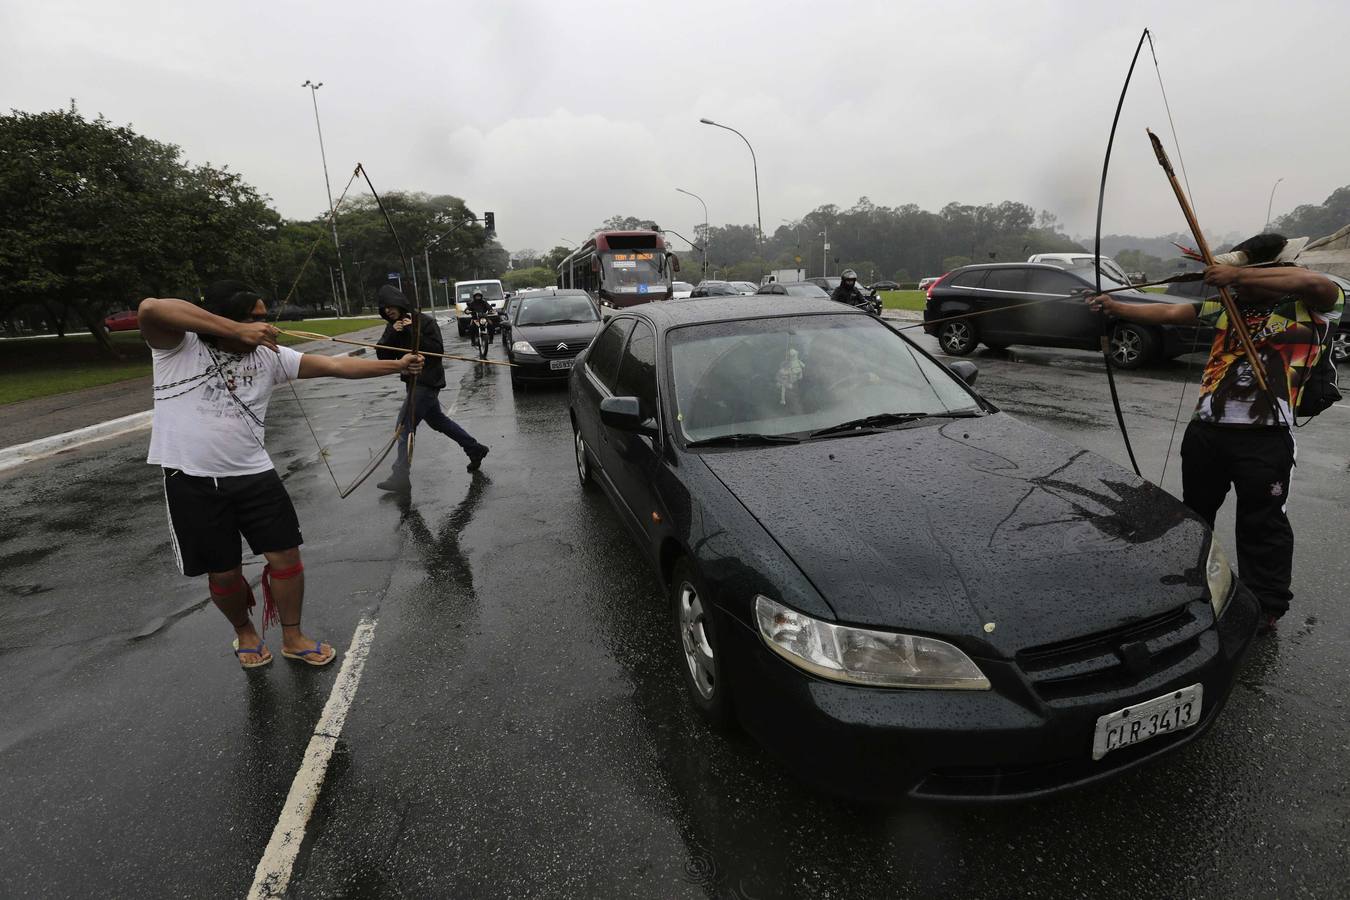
(273, 874)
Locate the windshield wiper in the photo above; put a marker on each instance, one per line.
(887, 420)
(566, 322)
(723, 440)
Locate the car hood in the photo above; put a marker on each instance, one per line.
(985, 528)
(549, 336)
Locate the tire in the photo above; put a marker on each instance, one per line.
(1340, 346)
(1132, 347)
(696, 637)
(582, 457)
(958, 337)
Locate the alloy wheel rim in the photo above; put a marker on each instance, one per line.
(698, 651)
(579, 445)
(1340, 346)
(1125, 347)
(958, 334)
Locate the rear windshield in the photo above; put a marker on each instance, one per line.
(490, 290)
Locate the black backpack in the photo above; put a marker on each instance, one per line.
(1320, 389)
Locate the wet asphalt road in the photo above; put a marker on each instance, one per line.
(520, 728)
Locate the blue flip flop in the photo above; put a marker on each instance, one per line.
(256, 651)
(304, 655)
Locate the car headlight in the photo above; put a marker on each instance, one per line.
(523, 347)
(1219, 577)
(864, 656)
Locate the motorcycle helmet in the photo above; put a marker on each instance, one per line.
(478, 295)
(848, 275)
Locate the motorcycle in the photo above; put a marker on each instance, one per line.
(482, 336)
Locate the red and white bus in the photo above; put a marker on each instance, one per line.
(621, 268)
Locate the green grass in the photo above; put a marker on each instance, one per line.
(42, 367)
(911, 300)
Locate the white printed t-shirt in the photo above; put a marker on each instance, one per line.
(198, 427)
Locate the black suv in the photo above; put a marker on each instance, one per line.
(1008, 298)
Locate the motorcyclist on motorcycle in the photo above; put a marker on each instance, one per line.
(849, 292)
(479, 308)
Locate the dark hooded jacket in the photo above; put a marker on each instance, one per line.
(433, 372)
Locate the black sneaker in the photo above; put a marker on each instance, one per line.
(476, 458)
(396, 483)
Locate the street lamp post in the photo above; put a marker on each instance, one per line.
(759, 219)
(332, 218)
(704, 249)
(1271, 201)
(825, 252)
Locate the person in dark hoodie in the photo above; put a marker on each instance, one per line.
(397, 312)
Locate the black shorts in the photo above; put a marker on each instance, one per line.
(208, 515)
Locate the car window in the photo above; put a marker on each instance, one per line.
(1045, 281)
(796, 374)
(1006, 280)
(807, 290)
(603, 361)
(637, 370)
(968, 279)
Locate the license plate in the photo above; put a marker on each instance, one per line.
(1174, 712)
(562, 363)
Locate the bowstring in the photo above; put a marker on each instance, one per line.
(1190, 196)
(313, 248)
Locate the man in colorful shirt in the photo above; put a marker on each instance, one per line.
(1240, 435)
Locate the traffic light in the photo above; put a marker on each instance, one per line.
(490, 223)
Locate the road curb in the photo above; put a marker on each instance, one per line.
(21, 454)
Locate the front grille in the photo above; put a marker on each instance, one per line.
(561, 349)
(1117, 659)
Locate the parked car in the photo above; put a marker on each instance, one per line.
(546, 331)
(714, 289)
(993, 290)
(1000, 614)
(289, 313)
(826, 283)
(929, 281)
(122, 321)
(1110, 268)
(884, 286)
(794, 289)
(680, 290)
(508, 309)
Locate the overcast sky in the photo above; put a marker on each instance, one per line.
(558, 115)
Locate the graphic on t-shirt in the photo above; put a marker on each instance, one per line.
(1286, 338)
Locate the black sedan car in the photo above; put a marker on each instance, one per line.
(794, 289)
(894, 586)
(546, 331)
(1040, 305)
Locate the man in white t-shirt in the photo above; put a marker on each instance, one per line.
(214, 370)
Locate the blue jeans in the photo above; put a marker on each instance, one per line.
(427, 408)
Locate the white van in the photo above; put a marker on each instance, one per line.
(492, 293)
(1076, 260)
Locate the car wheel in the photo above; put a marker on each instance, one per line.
(582, 454)
(1132, 347)
(696, 631)
(1340, 346)
(958, 337)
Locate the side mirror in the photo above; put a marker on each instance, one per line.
(966, 370)
(625, 414)
(674, 263)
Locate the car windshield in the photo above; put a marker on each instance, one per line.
(560, 310)
(806, 289)
(800, 374)
(1108, 279)
(681, 286)
(491, 291)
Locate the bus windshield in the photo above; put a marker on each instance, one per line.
(634, 271)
